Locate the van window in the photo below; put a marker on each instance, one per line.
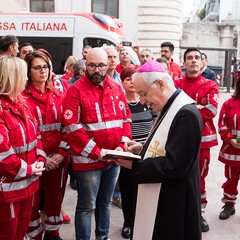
(97, 42)
(109, 7)
(59, 48)
(42, 5)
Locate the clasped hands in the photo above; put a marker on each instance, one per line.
(53, 161)
(51, 164)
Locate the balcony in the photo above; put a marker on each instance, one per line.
(212, 13)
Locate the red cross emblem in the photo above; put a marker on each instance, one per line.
(68, 114)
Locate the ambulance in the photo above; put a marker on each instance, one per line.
(64, 34)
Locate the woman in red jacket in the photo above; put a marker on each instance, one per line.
(229, 130)
(21, 155)
(47, 105)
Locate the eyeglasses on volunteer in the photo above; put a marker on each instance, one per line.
(101, 66)
(39, 68)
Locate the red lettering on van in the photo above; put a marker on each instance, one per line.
(27, 26)
(7, 26)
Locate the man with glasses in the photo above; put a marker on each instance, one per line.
(96, 116)
(167, 50)
(168, 202)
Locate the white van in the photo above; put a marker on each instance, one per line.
(63, 34)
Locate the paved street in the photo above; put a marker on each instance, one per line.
(219, 229)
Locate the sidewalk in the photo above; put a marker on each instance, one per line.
(219, 229)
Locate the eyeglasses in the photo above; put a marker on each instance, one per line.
(101, 66)
(143, 94)
(39, 68)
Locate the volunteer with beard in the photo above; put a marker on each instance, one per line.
(96, 116)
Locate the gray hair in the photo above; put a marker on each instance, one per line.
(147, 50)
(109, 48)
(79, 65)
(151, 77)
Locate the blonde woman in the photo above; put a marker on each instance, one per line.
(21, 155)
(68, 68)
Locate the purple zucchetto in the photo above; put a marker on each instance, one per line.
(152, 66)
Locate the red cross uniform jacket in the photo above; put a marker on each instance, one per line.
(175, 70)
(47, 108)
(95, 117)
(19, 148)
(229, 128)
(205, 93)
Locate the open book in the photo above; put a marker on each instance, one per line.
(107, 153)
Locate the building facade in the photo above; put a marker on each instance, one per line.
(146, 23)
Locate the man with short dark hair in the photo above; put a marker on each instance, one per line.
(207, 72)
(85, 51)
(24, 49)
(205, 94)
(167, 50)
(9, 46)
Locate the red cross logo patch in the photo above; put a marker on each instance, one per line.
(68, 114)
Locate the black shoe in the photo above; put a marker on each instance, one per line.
(204, 224)
(227, 211)
(50, 237)
(126, 232)
(73, 184)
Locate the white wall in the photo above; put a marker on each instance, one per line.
(226, 7)
(14, 5)
(73, 6)
(128, 16)
(149, 23)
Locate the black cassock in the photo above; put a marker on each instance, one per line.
(179, 209)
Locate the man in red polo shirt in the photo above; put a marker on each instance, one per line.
(167, 50)
(125, 60)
